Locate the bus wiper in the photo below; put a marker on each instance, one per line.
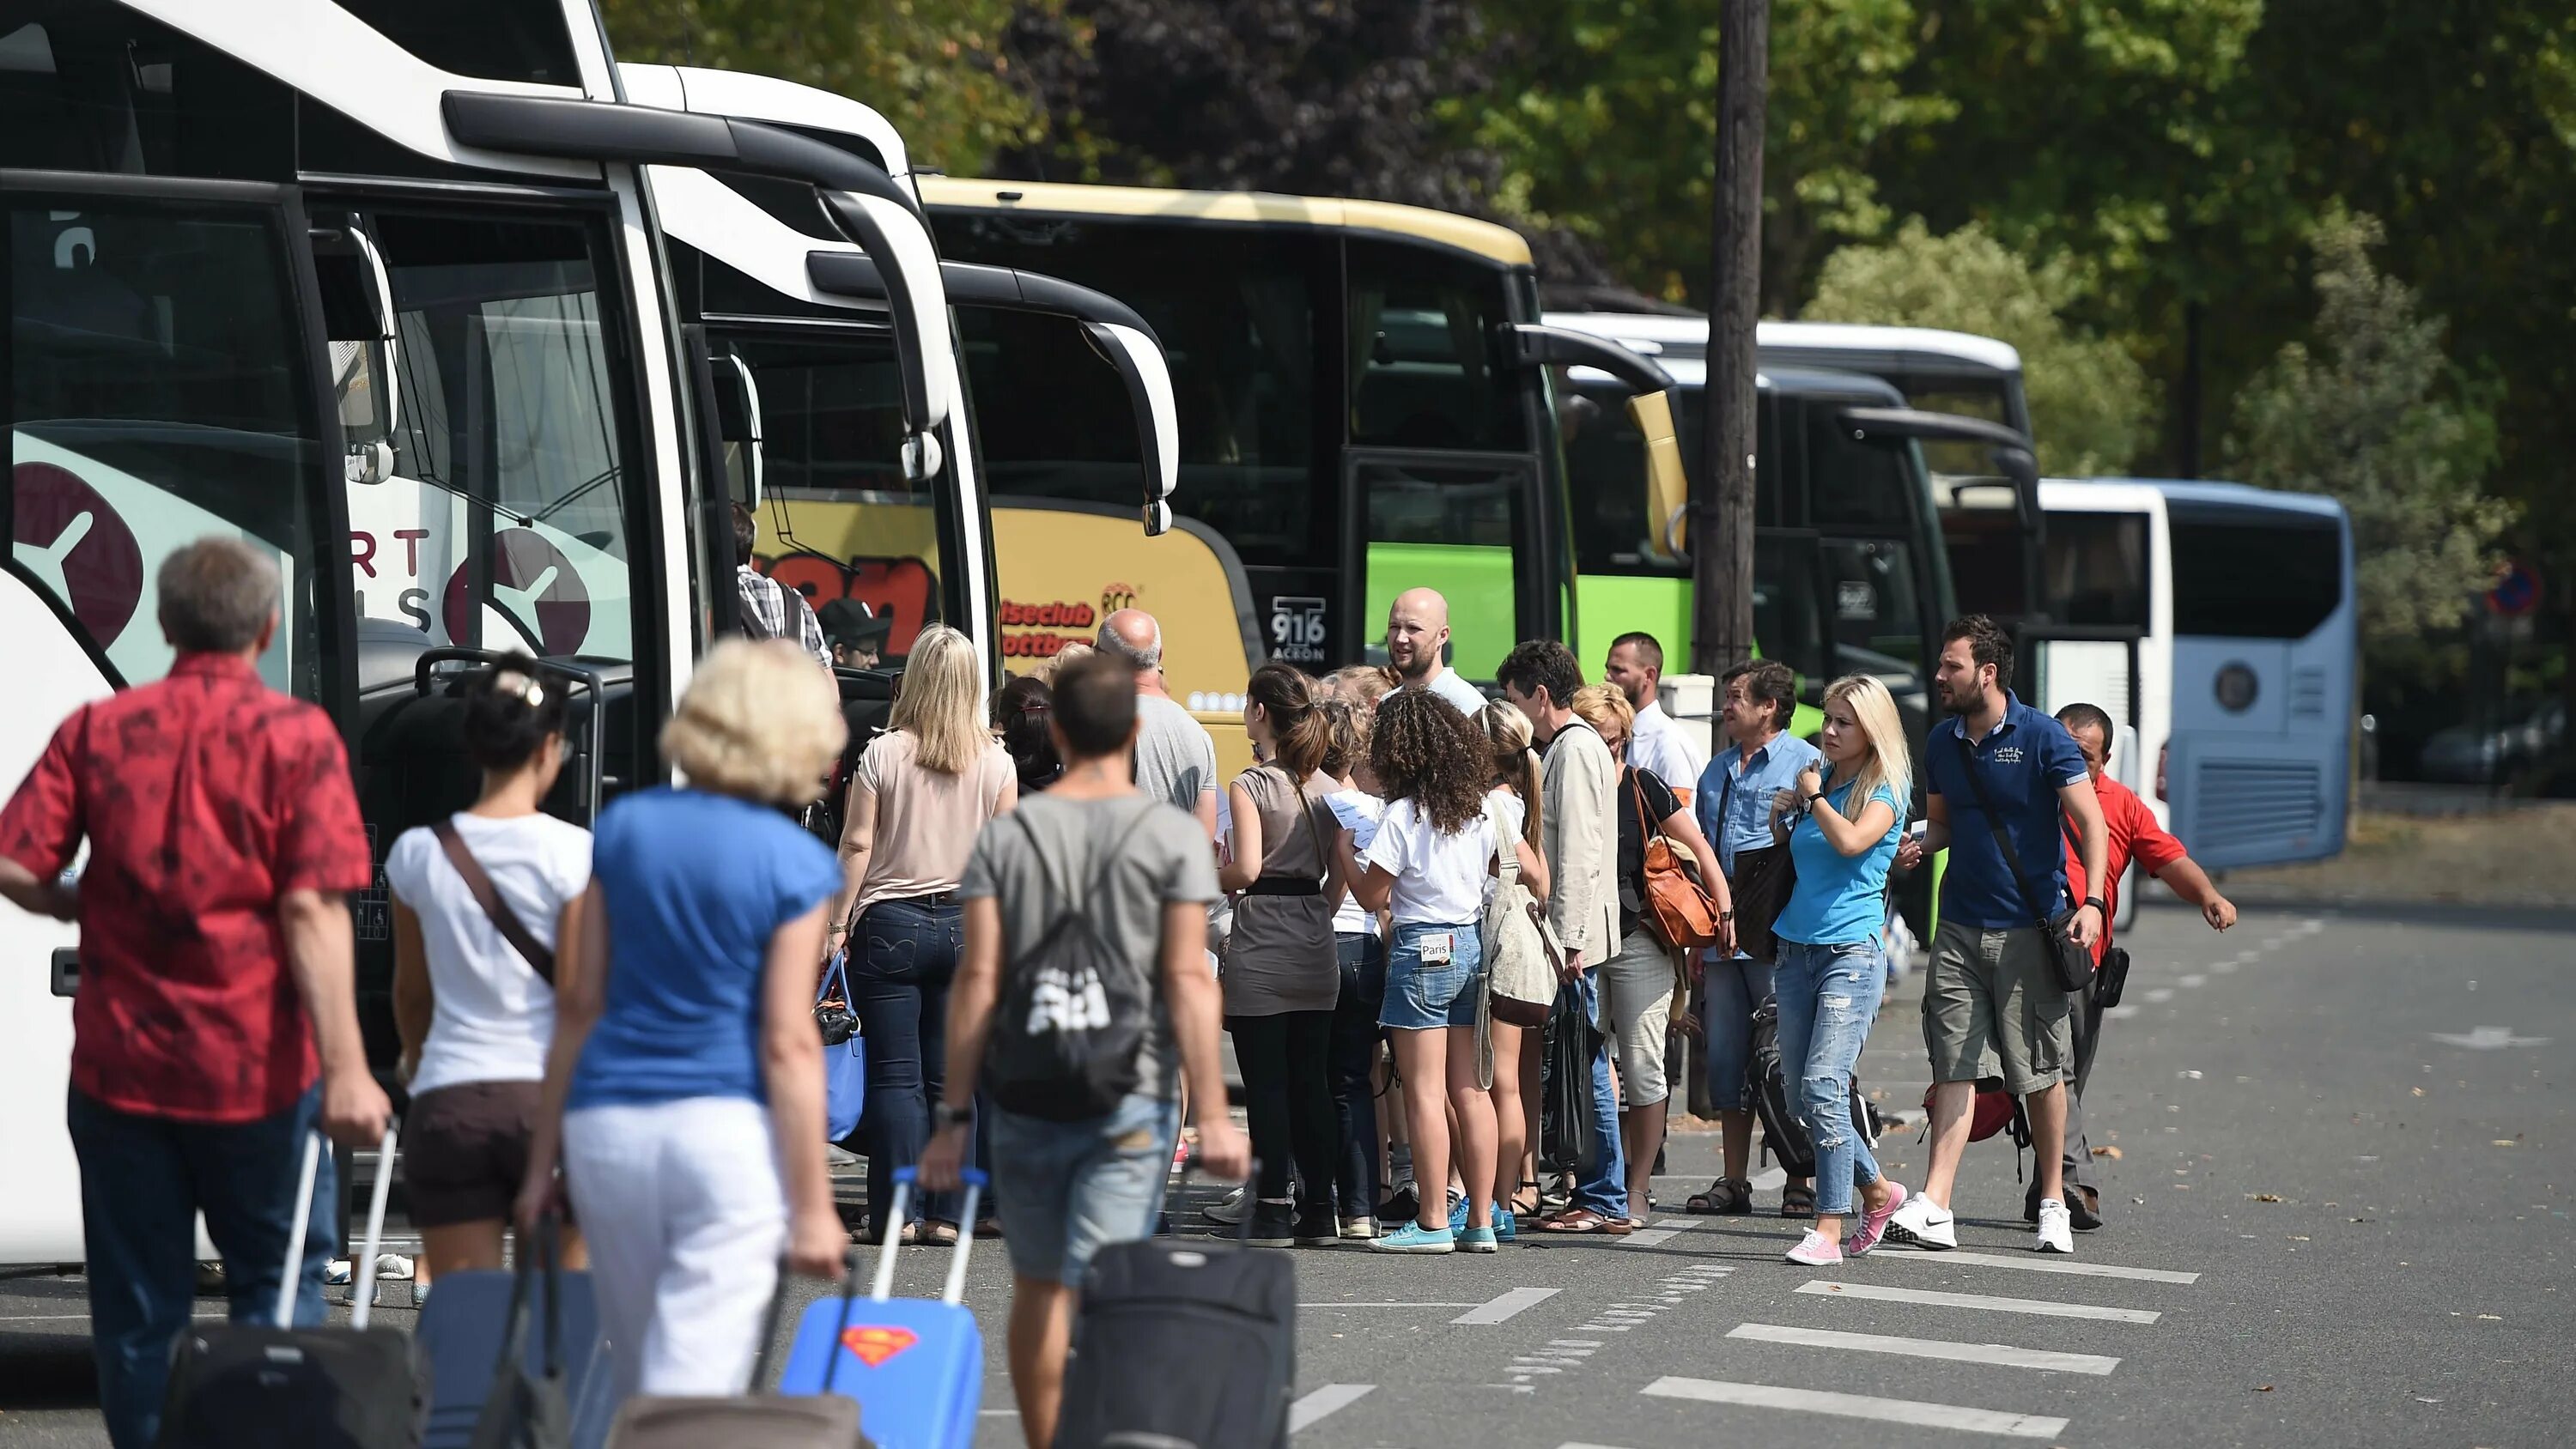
(608, 475)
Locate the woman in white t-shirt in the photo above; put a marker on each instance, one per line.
(1429, 865)
(474, 1011)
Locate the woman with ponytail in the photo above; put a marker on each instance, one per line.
(1282, 972)
(474, 1009)
(1515, 798)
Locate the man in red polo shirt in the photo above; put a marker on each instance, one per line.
(217, 973)
(2134, 835)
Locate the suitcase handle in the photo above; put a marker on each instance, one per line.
(514, 1333)
(892, 1231)
(364, 1267)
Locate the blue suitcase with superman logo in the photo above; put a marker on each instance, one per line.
(915, 1365)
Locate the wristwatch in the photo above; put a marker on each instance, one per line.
(2099, 904)
(1811, 799)
(948, 1116)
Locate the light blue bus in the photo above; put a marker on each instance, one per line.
(2218, 625)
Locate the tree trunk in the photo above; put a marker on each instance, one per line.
(1722, 551)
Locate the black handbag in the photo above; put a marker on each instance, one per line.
(2070, 965)
(2113, 976)
(1760, 886)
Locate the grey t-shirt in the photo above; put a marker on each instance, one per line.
(1164, 858)
(1175, 758)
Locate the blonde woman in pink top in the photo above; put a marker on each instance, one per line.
(917, 798)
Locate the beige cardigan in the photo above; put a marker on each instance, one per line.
(1580, 829)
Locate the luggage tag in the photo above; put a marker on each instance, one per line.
(1439, 950)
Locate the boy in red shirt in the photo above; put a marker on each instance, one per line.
(2134, 836)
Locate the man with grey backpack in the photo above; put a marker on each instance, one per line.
(1082, 1000)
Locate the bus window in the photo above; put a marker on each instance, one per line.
(1981, 398)
(505, 523)
(1235, 310)
(1856, 484)
(2097, 568)
(2244, 576)
(1454, 527)
(1875, 598)
(158, 393)
(1606, 461)
(1424, 366)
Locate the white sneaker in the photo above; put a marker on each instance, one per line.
(2056, 1228)
(1227, 1210)
(1925, 1226)
(1359, 1229)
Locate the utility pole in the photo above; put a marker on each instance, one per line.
(1722, 548)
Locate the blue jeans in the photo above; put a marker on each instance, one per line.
(143, 1181)
(1735, 985)
(1069, 1189)
(1606, 1190)
(1354, 1057)
(1828, 997)
(903, 958)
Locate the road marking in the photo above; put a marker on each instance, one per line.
(1504, 1308)
(2045, 1263)
(1662, 1232)
(2039, 1306)
(1330, 1399)
(1389, 1305)
(2160, 995)
(1993, 1353)
(1860, 1406)
(2191, 979)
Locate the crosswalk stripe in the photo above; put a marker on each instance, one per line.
(1502, 1309)
(1662, 1232)
(2040, 1306)
(2001, 1354)
(2042, 1263)
(1331, 1398)
(1860, 1406)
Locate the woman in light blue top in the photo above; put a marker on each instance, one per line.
(1841, 828)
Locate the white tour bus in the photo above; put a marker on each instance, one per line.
(305, 272)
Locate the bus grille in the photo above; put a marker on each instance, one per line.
(2245, 804)
(2308, 693)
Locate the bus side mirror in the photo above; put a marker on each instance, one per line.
(1139, 360)
(1667, 484)
(737, 396)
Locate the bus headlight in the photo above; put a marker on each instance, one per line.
(2237, 687)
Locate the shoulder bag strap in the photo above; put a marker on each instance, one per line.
(2003, 838)
(1507, 863)
(504, 920)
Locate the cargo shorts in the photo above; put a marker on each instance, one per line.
(1990, 1007)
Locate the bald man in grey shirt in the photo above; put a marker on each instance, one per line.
(1175, 756)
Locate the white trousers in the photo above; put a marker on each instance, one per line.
(681, 1205)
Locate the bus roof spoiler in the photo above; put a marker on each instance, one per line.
(1917, 423)
(1535, 344)
(862, 200)
(1115, 328)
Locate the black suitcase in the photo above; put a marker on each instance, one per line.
(247, 1386)
(1226, 1310)
(1783, 1135)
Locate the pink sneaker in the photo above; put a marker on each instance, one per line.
(1873, 1224)
(1815, 1251)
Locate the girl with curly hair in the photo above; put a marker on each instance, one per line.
(1428, 865)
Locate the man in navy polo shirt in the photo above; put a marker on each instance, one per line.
(1990, 995)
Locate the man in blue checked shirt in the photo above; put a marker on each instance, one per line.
(1733, 805)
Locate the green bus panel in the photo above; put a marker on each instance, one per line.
(1477, 581)
(1613, 605)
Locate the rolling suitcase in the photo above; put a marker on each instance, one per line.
(257, 1387)
(756, 1420)
(915, 1366)
(1227, 1311)
(490, 1375)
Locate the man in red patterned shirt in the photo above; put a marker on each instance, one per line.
(2134, 835)
(216, 1022)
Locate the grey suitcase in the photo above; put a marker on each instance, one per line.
(546, 1320)
(761, 1419)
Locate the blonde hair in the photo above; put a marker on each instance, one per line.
(1601, 706)
(758, 722)
(1888, 763)
(941, 704)
(1515, 764)
(1363, 683)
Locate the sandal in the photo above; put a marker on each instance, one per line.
(1726, 1197)
(939, 1235)
(1525, 1198)
(1797, 1202)
(1585, 1220)
(989, 1228)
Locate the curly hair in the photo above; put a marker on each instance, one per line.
(1425, 751)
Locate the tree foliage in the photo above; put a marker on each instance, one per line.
(2089, 404)
(936, 68)
(2371, 411)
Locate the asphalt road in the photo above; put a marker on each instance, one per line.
(2337, 1218)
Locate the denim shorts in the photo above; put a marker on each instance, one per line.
(1422, 997)
(1065, 1190)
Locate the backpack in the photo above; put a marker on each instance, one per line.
(1073, 1013)
(1784, 1135)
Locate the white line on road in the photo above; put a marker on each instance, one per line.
(1993, 1353)
(2191, 979)
(2161, 995)
(2044, 1263)
(1502, 1309)
(1388, 1305)
(1331, 1398)
(1662, 1232)
(1860, 1406)
(2039, 1306)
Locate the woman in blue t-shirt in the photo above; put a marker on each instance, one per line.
(1842, 828)
(684, 1089)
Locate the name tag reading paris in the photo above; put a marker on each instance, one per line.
(1439, 950)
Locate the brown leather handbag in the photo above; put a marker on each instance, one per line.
(1679, 912)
